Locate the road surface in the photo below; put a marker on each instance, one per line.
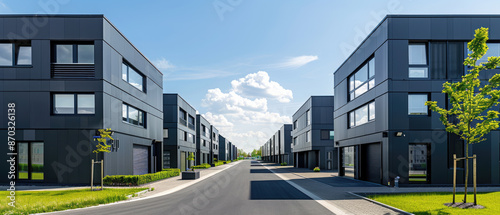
(246, 188)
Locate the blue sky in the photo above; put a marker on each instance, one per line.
(211, 51)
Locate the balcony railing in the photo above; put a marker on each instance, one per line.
(182, 121)
(191, 126)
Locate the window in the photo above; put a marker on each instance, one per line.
(308, 117)
(348, 161)
(191, 122)
(133, 77)
(74, 53)
(362, 115)
(182, 117)
(493, 51)
(165, 133)
(30, 156)
(66, 103)
(417, 171)
(332, 135)
(325, 134)
(417, 59)
(416, 104)
(363, 80)
(191, 138)
(308, 136)
(15, 54)
(294, 124)
(133, 115)
(204, 143)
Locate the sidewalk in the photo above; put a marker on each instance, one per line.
(337, 190)
(159, 186)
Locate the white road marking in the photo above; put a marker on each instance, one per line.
(319, 200)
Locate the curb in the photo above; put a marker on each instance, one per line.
(381, 204)
(138, 193)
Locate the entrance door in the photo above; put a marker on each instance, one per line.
(183, 161)
(371, 162)
(141, 160)
(419, 163)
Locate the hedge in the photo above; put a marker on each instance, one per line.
(218, 163)
(202, 166)
(134, 180)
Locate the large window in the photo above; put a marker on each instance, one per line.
(133, 115)
(308, 136)
(362, 115)
(417, 59)
(30, 156)
(191, 138)
(133, 77)
(191, 122)
(418, 164)
(74, 53)
(363, 80)
(493, 51)
(326, 135)
(15, 54)
(67, 103)
(182, 117)
(416, 104)
(348, 161)
(308, 117)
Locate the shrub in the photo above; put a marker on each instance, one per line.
(284, 164)
(134, 180)
(316, 169)
(202, 166)
(218, 163)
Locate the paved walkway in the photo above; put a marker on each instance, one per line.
(337, 191)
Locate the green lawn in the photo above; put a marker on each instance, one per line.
(432, 203)
(28, 202)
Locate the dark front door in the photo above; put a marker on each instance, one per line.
(371, 162)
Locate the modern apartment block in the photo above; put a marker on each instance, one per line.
(312, 134)
(285, 144)
(203, 140)
(223, 148)
(179, 120)
(68, 76)
(214, 149)
(383, 129)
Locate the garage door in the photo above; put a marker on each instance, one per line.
(141, 160)
(371, 162)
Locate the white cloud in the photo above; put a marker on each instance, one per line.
(259, 85)
(296, 62)
(245, 120)
(163, 64)
(218, 121)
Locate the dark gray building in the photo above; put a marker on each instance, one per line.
(214, 149)
(285, 143)
(203, 140)
(383, 129)
(180, 121)
(312, 134)
(69, 75)
(223, 154)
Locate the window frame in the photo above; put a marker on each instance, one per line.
(144, 116)
(353, 121)
(351, 87)
(129, 66)
(75, 103)
(30, 161)
(75, 45)
(417, 66)
(427, 109)
(15, 48)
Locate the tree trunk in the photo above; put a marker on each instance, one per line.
(466, 169)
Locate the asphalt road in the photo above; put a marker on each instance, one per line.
(246, 188)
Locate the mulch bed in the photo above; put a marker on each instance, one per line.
(464, 205)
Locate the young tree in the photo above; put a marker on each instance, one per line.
(471, 102)
(190, 158)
